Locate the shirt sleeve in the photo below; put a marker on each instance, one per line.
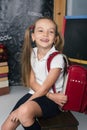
(57, 62)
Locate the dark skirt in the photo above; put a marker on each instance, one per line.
(49, 108)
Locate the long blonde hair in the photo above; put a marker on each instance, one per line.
(27, 49)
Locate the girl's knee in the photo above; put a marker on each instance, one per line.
(26, 114)
(26, 111)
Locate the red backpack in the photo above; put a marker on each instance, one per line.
(75, 86)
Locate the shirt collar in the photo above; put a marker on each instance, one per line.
(48, 53)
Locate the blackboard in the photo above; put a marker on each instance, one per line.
(75, 37)
(15, 17)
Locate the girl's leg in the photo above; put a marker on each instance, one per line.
(8, 124)
(26, 114)
(39, 107)
(34, 126)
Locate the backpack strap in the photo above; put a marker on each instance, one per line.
(48, 65)
(67, 64)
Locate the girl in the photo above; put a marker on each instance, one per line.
(40, 101)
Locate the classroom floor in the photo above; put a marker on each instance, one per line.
(8, 101)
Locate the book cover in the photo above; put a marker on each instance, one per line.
(4, 69)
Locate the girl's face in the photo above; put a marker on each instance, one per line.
(44, 33)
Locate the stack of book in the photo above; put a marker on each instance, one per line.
(4, 70)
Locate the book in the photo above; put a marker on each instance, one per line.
(4, 63)
(4, 83)
(3, 78)
(3, 75)
(4, 90)
(4, 69)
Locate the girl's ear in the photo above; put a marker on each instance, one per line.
(32, 36)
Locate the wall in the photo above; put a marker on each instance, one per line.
(76, 7)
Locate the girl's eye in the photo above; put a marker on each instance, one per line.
(51, 31)
(40, 30)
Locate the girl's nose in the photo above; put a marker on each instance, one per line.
(46, 33)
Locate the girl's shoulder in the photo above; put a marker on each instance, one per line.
(56, 60)
(56, 54)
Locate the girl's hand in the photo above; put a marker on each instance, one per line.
(58, 98)
(14, 116)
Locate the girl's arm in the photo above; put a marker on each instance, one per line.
(43, 89)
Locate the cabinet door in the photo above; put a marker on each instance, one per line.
(59, 13)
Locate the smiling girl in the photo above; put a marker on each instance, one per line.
(40, 101)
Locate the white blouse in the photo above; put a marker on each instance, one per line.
(40, 68)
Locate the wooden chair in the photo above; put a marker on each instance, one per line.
(63, 121)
